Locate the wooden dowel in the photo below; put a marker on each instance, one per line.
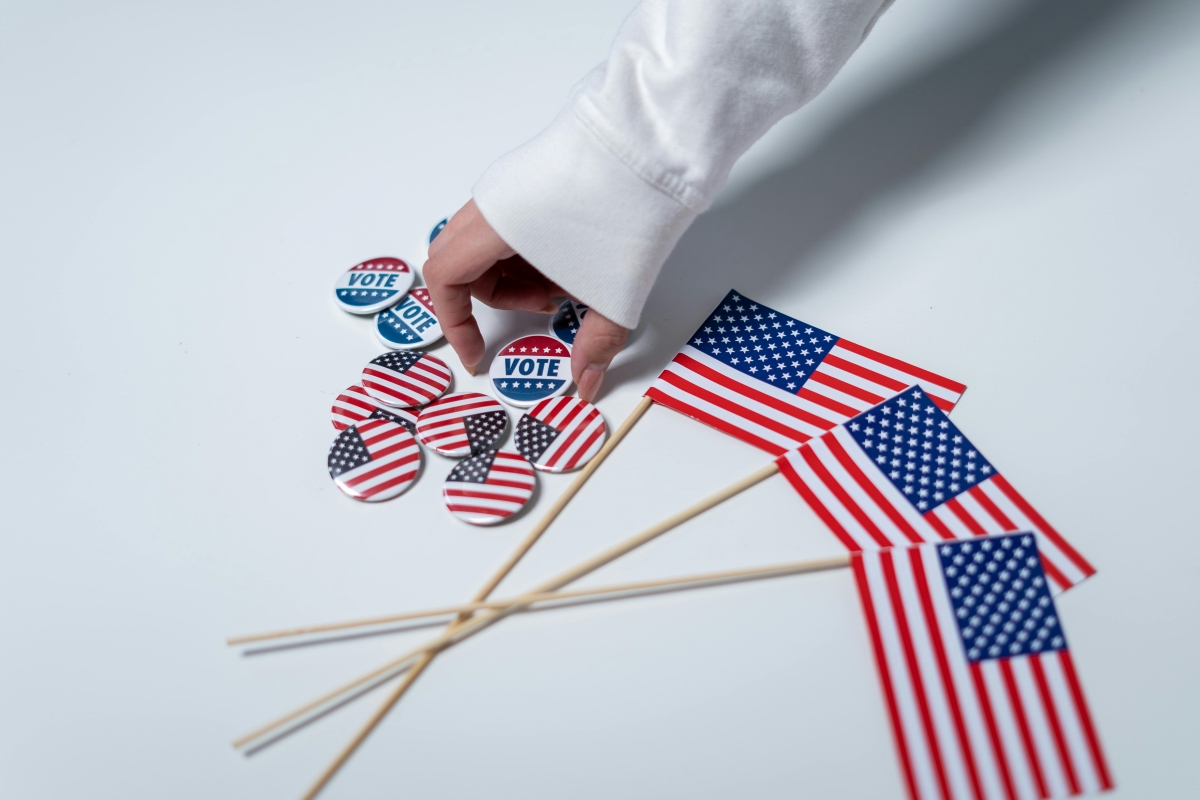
(484, 591)
(702, 579)
(478, 622)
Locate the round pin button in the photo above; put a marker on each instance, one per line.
(374, 460)
(462, 424)
(409, 324)
(406, 378)
(373, 285)
(428, 240)
(490, 487)
(355, 405)
(531, 369)
(565, 322)
(560, 434)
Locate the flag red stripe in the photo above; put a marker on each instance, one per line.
(914, 670)
(936, 523)
(992, 509)
(509, 484)
(871, 489)
(972, 525)
(1060, 741)
(576, 409)
(492, 512)
(845, 388)
(1085, 719)
(816, 505)
(584, 448)
(939, 652)
(847, 502)
(717, 422)
(520, 469)
(897, 364)
(388, 484)
(477, 495)
(808, 394)
(355, 401)
(1014, 701)
(573, 435)
(461, 409)
(380, 470)
(429, 438)
(989, 718)
(1044, 527)
(436, 379)
(885, 676)
(891, 384)
(743, 389)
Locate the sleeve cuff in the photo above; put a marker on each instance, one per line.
(586, 221)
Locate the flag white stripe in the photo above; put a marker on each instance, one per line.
(1072, 727)
(901, 679)
(953, 757)
(1035, 713)
(979, 742)
(859, 495)
(1010, 735)
(753, 385)
(896, 374)
(837, 395)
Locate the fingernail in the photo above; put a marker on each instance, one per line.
(590, 380)
(550, 308)
(470, 370)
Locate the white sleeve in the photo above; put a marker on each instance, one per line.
(598, 200)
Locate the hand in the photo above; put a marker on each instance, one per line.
(469, 259)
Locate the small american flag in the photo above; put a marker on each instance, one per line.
(776, 382)
(978, 681)
(902, 473)
(406, 378)
(490, 487)
(374, 460)
(355, 405)
(560, 434)
(462, 424)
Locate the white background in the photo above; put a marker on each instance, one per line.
(1004, 195)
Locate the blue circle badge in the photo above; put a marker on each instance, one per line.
(410, 324)
(433, 234)
(565, 322)
(531, 369)
(373, 285)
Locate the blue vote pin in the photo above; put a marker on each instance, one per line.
(373, 285)
(411, 323)
(433, 234)
(565, 322)
(531, 369)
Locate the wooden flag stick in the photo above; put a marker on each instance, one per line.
(483, 593)
(704, 579)
(481, 621)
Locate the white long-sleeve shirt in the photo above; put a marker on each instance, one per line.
(598, 200)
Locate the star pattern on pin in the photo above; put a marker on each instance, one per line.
(484, 429)
(1000, 597)
(398, 360)
(763, 343)
(347, 452)
(919, 449)
(532, 437)
(473, 469)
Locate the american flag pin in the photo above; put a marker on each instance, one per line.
(461, 424)
(560, 434)
(406, 378)
(373, 285)
(355, 405)
(530, 369)
(409, 324)
(374, 460)
(489, 488)
(565, 322)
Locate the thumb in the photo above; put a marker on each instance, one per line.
(597, 343)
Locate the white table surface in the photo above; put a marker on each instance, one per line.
(1008, 197)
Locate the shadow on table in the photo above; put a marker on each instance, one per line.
(776, 223)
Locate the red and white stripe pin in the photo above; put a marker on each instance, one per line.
(406, 378)
(560, 434)
(489, 488)
(462, 424)
(355, 405)
(374, 460)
